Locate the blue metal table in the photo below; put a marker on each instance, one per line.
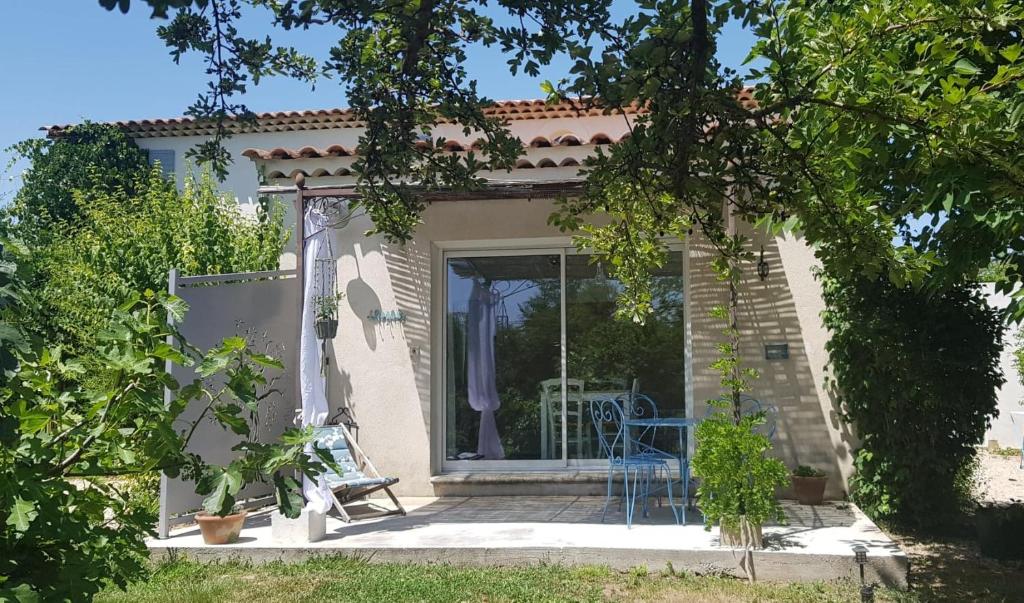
(680, 424)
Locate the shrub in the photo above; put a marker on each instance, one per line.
(807, 471)
(738, 478)
(69, 448)
(89, 156)
(126, 243)
(917, 374)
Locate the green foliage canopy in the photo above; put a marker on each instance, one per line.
(67, 444)
(901, 120)
(918, 378)
(128, 242)
(89, 157)
(872, 116)
(737, 477)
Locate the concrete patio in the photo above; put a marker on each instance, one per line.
(816, 544)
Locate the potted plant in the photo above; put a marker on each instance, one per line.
(235, 406)
(738, 479)
(809, 485)
(325, 309)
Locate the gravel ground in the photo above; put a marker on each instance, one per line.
(1000, 478)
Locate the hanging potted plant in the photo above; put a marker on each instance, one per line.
(235, 406)
(809, 485)
(738, 479)
(325, 311)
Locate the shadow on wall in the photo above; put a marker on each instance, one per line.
(768, 314)
(409, 269)
(359, 295)
(360, 270)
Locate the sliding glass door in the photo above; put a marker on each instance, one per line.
(530, 340)
(607, 357)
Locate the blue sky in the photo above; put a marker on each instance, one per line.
(71, 60)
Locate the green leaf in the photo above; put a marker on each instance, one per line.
(1011, 53)
(325, 457)
(22, 514)
(229, 416)
(226, 483)
(213, 363)
(167, 352)
(233, 344)
(966, 67)
(947, 202)
(267, 361)
(288, 493)
(32, 420)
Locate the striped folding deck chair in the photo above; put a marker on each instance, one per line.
(359, 477)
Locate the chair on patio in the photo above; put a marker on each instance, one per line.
(577, 435)
(638, 469)
(359, 477)
(642, 406)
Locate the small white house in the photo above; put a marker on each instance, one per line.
(403, 358)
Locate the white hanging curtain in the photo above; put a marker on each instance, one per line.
(312, 382)
(481, 327)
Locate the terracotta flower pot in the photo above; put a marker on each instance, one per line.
(743, 535)
(809, 490)
(220, 530)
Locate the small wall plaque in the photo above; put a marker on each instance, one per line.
(381, 316)
(776, 351)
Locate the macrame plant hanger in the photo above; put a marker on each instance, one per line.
(325, 300)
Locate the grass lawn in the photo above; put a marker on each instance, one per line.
(340, 579)
(942, 569)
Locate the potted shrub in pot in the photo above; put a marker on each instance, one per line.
(221, 529)
(325, 311)
(809, 485)
(235, 406)
(738, 479)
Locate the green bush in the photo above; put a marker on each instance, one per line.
(128, 242)
(89, 156)
(73, 453)
(738, 478)
(807, 471)
(917, 375)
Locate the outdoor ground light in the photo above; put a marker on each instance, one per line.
(867, 591)
(762, 266)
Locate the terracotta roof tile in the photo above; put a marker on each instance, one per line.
(326, 119)
(452, 145)
(322, 119)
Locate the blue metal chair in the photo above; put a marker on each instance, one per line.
(638, 469)
(642, 406)
(751, 406)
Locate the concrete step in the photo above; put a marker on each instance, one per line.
(573, 482)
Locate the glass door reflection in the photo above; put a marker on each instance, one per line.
(503, 361)
(607, 357)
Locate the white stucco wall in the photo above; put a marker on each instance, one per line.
(386, 372)
(1004, 429)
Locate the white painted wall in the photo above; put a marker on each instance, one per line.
(1004, 429)
(386, 373)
